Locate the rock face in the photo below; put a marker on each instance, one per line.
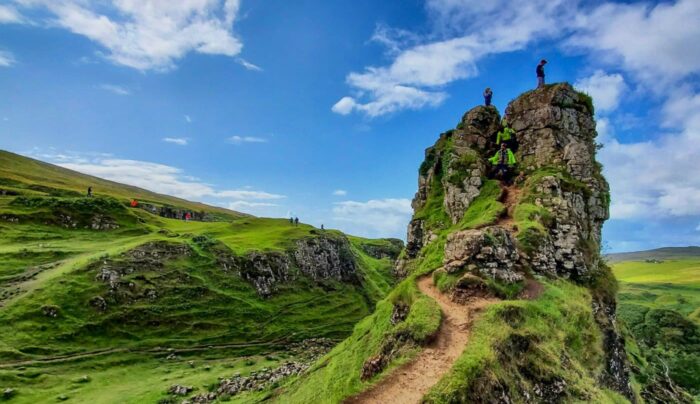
(553, 225)
(173, 212)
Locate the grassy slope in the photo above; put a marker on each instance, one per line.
(198, 304)
(27, 175)
(660, 304)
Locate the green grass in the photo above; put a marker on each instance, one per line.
(48, 262)
(513, 344)
(660, 304)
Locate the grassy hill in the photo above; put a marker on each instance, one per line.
(660, 304)
(95, 295)
(33, 177)
(656, 254)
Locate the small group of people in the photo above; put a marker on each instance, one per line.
(539, 72)
(294, 221)
(504, 160)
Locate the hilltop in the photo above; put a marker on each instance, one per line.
(505, 296)
(657, 253)
(98, 297)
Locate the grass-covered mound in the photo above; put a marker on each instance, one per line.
(548, 345)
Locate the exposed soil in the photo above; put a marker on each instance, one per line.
(509, 197)
(410, 382)
(532, 290)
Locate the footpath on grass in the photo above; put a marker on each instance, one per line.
(410, 382)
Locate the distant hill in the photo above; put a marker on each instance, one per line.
(27, 175)
(658, 253)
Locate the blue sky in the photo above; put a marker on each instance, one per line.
(323, 109)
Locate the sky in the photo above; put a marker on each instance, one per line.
(322, 109)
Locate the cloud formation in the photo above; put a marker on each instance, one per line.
(605, 89)
(159, 178)
(376, 217)
(176, 140)
(246, 139)
(6, 59)
(114, 89)
(148, 34)
(340, 192)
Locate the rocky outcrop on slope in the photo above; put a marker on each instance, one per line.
(552, 228)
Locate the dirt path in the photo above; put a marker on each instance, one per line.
(510, 198)
(409, 383)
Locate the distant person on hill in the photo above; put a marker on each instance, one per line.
(322, 227)
(540, 73)
(504, 160)
(89, 194)
(296, 221)
(188, 216)
(291, 221)
(487, 96)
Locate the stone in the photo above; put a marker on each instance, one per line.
(180, 390)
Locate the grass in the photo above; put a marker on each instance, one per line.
(513, 344)
(213, 314)
(660, 305)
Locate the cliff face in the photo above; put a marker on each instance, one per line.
(547, 223)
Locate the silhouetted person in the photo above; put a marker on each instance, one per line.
(540, 73)
(296, 221)
(291, 221)
(487, 96)
(89, 194)
(322, 227)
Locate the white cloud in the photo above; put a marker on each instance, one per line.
(340, 192)
(6, 59)
(248, 65)
(376, 217)
(9, 15)
(248, 194)
(245, 205)
(606, 89)
(246, 139)
(176, 140)
(188, 119)
(157, 177)
(656, 179)
(149, 34)
(415, 77)
(114, 89)
(657, 43)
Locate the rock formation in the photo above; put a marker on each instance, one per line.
(548, 223)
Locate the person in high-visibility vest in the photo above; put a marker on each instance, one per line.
(504, 160)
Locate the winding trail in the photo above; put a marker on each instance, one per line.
(410, 382)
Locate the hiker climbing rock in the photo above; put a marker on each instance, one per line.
(507, 135)
(540, 73)
(487, 96)
(503, 160)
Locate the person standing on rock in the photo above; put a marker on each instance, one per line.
(487, 96)
(540, 73)
(504, 159)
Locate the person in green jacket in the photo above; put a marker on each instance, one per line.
(506, 135)
(504, 160)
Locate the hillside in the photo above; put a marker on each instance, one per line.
(27, 176)
(102, 301)
(657, 254)
(504, 297)
(660, 305)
